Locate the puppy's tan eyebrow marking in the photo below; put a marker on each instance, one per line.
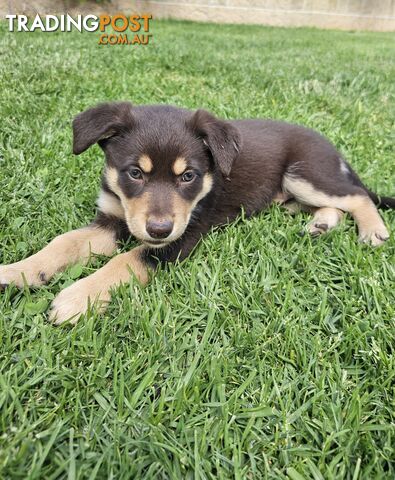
(145, 163)
(179, 165)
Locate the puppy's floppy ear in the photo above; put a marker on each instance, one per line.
(220, 136)
(100, 122)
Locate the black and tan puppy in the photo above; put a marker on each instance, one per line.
(172, 174)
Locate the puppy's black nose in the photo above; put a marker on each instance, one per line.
(159, 228)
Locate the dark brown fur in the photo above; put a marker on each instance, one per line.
(235, 165)
(248, 159)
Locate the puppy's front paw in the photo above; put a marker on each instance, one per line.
(73, 301)
(16, 272)
(375, 236)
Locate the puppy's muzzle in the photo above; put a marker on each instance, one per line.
(159, 228)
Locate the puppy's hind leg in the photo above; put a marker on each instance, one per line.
(370, 225)
(350, 198)
(324, 219)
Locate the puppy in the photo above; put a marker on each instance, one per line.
(172, 174)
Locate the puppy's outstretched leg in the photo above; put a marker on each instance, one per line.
(95, 289)
(67, 249)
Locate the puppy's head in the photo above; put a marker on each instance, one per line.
(161, 162)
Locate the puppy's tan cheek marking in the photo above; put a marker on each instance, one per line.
(145, 163)
(136, 210)
(179, 165)
(183, 208)
(110, 205)
(206, 188)
(111, 175)
(138, 206)
(132, 206)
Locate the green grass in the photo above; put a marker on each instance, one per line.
(266, 354)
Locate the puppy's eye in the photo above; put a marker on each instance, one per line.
(135, 173)
(188, 176)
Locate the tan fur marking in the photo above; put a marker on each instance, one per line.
(292, 206)
(136, 214)
(112, 180)
(183, 208)
(206, 187)
(136, 209)
(370, 225)
(110, 205)
(96, 289)
(324, 220)
(145, 163)
(179, 165)
(281, 197)
(67, 249)
(304, 192)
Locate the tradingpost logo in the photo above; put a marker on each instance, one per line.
(119, 29)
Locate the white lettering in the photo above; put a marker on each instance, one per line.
(11, 19)
(51, 19)
(93, 25)
(22, 21)
(71, 21)
(37, 23)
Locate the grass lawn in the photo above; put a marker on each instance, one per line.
(267, 354)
